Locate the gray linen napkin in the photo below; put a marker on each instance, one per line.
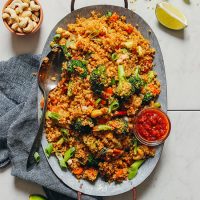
(18, 125)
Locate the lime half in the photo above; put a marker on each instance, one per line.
(170, 16)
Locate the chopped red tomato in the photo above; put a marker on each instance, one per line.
(114, 17)
(117, 151)
(103, 102)
(117, 47)
(102, 34)
(102, 121)
(129, 30)
(120, 113)
(54, 101)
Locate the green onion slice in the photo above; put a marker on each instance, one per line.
(49, 149)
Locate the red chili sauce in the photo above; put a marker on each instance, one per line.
(152, 124)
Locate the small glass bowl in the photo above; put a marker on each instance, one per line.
(154, 142)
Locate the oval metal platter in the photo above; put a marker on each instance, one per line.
(100, 187)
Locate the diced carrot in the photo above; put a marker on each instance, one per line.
(75, 57)
(114, 17)
(117, 151)
(156, 91)
(119, 172)
(103, 102)
(77, 171)
(42, 103)
(109, 90)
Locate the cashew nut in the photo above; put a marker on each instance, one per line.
(34, 18)
(29, 27)
(14, 26)
(18, 3)
(34, 7)
(34, 24)
(37, 13)
(9, 21)
(18, 10)
(15, 3)
(26, 1)
(23, 22)
(26, 14)
(12, 13)
(19, 30)
(5, 15)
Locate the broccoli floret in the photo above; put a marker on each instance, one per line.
(109, 14)
(151, 76)
(120, 126)
(97, 79)
(77, 66)
(82, 125)
(147, 98)
(92, 161)
(124, 88)
(65, 51)
(56, 37)
(136, 80)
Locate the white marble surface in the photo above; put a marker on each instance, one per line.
(177, 175)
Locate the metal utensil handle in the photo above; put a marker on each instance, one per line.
(134, 193)
(73, 2)
(78, 195)
(37, 142)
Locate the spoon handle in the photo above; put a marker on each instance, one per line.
(37, 142)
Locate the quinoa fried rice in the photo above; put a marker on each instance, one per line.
(106, 79)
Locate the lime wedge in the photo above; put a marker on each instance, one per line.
(170, 16)
(36, 197)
